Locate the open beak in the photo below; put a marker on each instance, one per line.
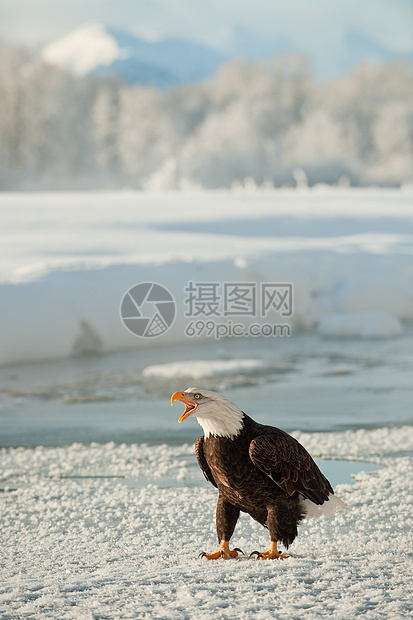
(190, 405)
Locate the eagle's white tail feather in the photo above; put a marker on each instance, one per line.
(327, 509)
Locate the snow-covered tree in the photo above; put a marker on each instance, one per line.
(267, 123)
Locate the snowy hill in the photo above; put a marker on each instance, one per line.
(97, 49)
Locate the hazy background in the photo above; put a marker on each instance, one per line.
(215, 23)
(174, 94)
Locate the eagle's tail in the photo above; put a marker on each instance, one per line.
(327, 509)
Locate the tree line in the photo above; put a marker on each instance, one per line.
(253, 124)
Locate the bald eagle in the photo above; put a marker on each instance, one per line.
(257, 469)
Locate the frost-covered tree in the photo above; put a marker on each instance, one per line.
(256, 123)
(12, 62)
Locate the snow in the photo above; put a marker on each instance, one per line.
(84, 49)
(99, 49)
(93, 531)
(74, 256)
(200, 369)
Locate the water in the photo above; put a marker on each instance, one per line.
(322, 385)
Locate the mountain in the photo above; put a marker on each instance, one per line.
(97, 49)
(359, 47)
(330, 56)
(245, 43)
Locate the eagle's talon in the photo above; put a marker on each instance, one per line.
(239, 550)
(257, 553)
(224, 552)
(272, 553)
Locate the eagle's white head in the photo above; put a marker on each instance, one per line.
(215, 413)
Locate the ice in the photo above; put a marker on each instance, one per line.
(360, 325)
(308, 382)
(368, 292)
(68, 259)
(106, 529)
(200, 369)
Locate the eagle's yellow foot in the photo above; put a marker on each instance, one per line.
(223, 552)
(272, 553)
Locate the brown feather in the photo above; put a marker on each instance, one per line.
(288, 463)
(199, 451)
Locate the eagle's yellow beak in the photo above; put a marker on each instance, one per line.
(185, 398)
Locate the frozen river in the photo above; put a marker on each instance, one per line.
(103, 508)
(304, 384)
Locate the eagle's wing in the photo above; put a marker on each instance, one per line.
(199, 451)
(289, 465)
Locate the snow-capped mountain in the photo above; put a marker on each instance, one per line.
(99, 49)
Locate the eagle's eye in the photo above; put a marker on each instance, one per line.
(197, 395)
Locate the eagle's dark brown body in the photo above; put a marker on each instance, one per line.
(261, 471)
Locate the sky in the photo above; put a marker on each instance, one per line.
(221, 24)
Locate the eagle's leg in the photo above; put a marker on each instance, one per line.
(272, 552)
(227, 517)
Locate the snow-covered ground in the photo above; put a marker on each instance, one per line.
(103, 508)
(107, 531)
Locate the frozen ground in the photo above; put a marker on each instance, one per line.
(106, 531)
(103, 508)
(97, 530)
